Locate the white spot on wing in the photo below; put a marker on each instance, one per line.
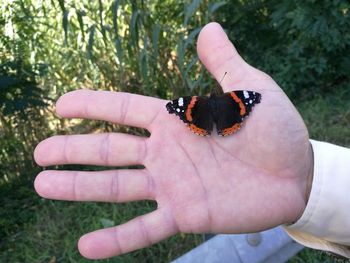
(246, 94)
(178, 110)
(250, 101)
(181, 102)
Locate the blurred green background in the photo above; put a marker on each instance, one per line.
(50, 47)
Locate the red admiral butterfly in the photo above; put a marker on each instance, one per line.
(227, 111)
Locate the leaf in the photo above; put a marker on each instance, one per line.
(180, 51)
(215, 6)
(80, 14)
(191, 36)
(64, 20)
(119, 49)
(143, 64)
(190, 65)
(133, 27)
(143, 60)
(61, 3)
(115, 7)
(91, 40)
(155, 39)
(53, 3)
(65, 26)
(103, 30)
(106, 222)
(190, 10)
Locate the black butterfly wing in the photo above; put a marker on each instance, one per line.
(232, 108)
(195, 112)
(249, 99)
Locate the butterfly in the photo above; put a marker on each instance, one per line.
(227, 111)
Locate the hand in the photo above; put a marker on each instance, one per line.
(250, 181)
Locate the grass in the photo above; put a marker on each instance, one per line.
(308, 255)
(36, 230)
(47, 231)
(327, 117)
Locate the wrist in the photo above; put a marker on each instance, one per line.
(305, 184)
(310, 175)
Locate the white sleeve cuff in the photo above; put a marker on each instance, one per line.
(327, 213)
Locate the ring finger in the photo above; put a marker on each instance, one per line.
(104, 186)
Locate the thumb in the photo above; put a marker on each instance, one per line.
(219, 55)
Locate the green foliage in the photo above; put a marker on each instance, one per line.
(148, 47)
(304, 45)
(117, 45)
(21, 101)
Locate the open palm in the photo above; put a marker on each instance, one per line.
(250, 181)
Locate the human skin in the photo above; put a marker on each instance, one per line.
(255, 179)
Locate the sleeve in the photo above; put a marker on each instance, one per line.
(325, 223)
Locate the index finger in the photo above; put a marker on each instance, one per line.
(117, 107)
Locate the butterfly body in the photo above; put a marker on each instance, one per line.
(227, 111)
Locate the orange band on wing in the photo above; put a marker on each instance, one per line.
(197, 130)
(239, 101)
(189, 109)
(231, 130)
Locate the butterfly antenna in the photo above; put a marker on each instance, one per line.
(218, 89)
(222, 77)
